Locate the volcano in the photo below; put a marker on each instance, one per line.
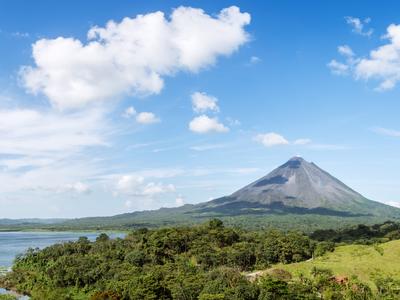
(300, 187)
(298, 194)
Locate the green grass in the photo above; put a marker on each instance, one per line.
(365, 262)
(3, 270)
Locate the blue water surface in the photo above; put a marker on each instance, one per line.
(14, 243)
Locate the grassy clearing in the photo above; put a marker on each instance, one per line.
(365, 262)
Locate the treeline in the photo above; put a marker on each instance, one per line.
(361, 234)
(203, 262)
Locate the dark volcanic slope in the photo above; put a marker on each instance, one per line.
(300, 187)
(300, 183)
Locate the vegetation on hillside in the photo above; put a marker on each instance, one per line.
(377, 265)
(166, 218)
(209, 261)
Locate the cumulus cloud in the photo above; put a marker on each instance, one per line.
(147, 118)
(358, 25)
(131, 57)
(141, 117)
(135, 186)
(271, 139)
(205, 124)
(201, 102)
(382, 64)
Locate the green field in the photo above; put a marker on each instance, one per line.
(365, 262)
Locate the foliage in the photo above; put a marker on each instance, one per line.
(203, 261)
(7, 297)
(361, 234)
(378, 270)
(206, 262)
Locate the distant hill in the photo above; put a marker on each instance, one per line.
(298, 194)
(35, 221)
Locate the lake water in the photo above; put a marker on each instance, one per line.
(13, 243)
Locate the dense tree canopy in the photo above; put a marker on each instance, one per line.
(199, 262)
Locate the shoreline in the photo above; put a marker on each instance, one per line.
(9, 291)
(13, 293)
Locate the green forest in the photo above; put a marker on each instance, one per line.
(207, 262)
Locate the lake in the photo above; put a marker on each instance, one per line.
(13, 243)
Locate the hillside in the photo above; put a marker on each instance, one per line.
(365, 262)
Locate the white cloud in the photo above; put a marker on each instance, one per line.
(302, 142)
(382, 64)
(147, 118)
(358, 25)
(338, 68)
(141, 117)
(132, 57)
(271, 139)
(135, 186)
(45, 153)
(345, 50)
(387, 132)
(129, 112)
(201, 102)
(151, 189)
(35, 134)
(205, 124)
(78, 187)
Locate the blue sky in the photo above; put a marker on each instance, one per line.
(161, 110)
